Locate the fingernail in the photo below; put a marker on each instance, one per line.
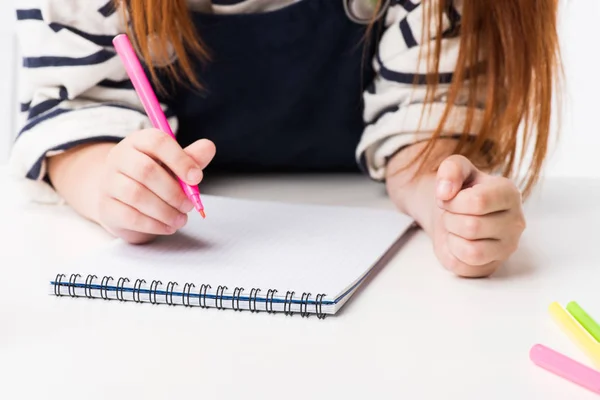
(187, 206)
(194, 175)
(444, 189)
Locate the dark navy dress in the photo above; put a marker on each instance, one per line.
(283, 91)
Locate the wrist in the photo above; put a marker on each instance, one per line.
(412, 189)
(77, 175)
(415, 199)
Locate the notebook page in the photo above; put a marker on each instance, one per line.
(255, 244)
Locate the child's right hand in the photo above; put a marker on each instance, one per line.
(140, 197)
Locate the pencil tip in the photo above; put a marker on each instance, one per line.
(202, 213)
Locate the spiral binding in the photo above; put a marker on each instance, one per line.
(218, 297)
(57, 284)
(169, 293)
(154, 285)
(287, 306)
(187, 294)
(304, 301)
(72, 282)
(137, 286)
(201, 296)
(87, 289)
(237, 292)
(120, 287)
(267, 302)
(104, 286)
(319, 305)
(187, 288)
(251, 302)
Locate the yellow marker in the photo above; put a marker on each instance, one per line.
(576, 332)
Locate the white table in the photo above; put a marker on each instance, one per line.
(413, 332)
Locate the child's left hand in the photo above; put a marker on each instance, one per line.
(477, 218)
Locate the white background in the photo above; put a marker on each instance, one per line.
(574, 155)
(7, 75)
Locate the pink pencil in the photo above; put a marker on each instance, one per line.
(151, 105)
(565, 367)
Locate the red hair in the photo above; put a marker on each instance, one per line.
(515, 42)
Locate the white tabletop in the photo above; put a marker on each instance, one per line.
(413, 332)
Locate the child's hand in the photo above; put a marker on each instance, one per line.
(478, 218)
(140, 197)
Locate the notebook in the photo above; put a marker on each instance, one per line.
(246, 255)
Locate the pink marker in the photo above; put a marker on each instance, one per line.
(151, 105)
(565, 367)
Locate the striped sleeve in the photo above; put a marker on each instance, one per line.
(73, 88)
(394, 105)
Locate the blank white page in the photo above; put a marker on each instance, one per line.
(256, 244)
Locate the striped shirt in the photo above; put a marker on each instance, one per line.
(74, 89)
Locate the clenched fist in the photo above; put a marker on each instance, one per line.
(477, 218)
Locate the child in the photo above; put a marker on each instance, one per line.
(427, 97)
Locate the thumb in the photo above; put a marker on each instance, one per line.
(202, 151)
(454, 173)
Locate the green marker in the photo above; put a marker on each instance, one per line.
(584, 319)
